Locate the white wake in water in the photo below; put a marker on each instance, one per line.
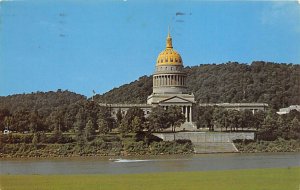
(126, 160)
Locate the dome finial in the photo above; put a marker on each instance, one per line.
(169, 39)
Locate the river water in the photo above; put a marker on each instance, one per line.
(200, 162)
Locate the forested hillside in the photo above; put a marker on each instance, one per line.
(43, 109)
(267, 82)
(135, 92)
(40, 101)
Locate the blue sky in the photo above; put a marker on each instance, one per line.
(98, 45)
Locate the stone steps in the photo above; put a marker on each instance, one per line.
(210, 147)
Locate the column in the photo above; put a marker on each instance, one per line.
(190, 113)
(158, 78)
(166, 77)
(160, 81)
(186, 113)
(180, 77)
(167, 80)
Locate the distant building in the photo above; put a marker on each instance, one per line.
(241, 106)
(287, 110)
(114, 108)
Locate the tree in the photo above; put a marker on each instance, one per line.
(268, 129)
(79, 127)
(35, 140)
(234, 119)
(20, 121)
(219, 116)
(35, 122)
(137, 124)
(105, 121)
(205, 117)
(258, 119)
(5, 119)
(127, 125)
(282, 130)
(208, 119)
(175, 117)
(158, 119)
(124, 126)
(247, 119)
(57, 136)
(119, 117)
(295, 129)
(89, 130)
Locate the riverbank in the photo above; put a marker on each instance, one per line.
(279, 145)
(24, 146)
(126, 148)
(259, 179)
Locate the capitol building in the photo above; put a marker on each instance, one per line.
(169, 85)
(169, 89)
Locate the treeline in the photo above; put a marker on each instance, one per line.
(265, 82)
(81, 116)
(268, 126)
(88, 129)
(43, 102)
(40, 111)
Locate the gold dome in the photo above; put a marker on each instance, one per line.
(169, 56)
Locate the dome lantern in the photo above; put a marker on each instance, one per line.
(169, 40)
(169, 56)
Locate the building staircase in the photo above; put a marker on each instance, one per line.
(208, 142)
(211, 147)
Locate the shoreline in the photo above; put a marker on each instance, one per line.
(150, 156)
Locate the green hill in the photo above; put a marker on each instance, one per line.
(39, 100)
(272, 83)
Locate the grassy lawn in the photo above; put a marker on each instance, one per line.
(254, 179)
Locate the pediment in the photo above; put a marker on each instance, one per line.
(175, 99)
